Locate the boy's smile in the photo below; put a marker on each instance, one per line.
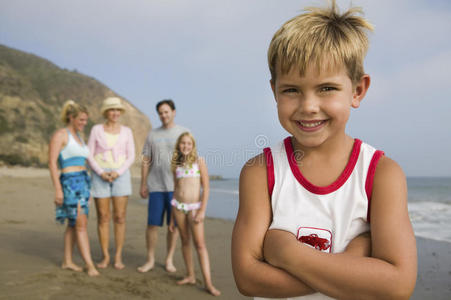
(311, 125)
(315, 107)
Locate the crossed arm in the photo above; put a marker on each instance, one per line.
(263, 267)
(253, 275)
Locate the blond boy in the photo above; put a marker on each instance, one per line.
(307, 204)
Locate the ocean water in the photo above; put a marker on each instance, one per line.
(430, 207)
(429, 202)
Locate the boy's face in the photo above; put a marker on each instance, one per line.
(315, 107)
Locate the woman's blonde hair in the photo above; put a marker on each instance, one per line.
(321, 37)
(178, 159)
(71, 109)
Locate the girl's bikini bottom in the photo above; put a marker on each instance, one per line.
(185, 207)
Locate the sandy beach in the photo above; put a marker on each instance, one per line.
(31, 248)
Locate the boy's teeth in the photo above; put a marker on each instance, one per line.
(310, 124)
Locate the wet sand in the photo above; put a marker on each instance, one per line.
(31, 248)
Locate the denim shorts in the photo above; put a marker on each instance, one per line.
(121, 186)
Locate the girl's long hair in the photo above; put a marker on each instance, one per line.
(178, 159)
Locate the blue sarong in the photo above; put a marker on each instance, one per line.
(76, 190)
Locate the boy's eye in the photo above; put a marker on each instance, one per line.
(290, 90)
(327, 89)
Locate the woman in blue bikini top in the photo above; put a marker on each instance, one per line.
(72, 186)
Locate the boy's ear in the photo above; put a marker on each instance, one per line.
(273, 88)
(360, 90)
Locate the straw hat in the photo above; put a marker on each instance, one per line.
(110, 103)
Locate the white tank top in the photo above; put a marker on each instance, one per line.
(326, 218)
(73, 154)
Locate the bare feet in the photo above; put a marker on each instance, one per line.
(92, 272)
(170, 267)
(146, 267)
(104, 263)
(71, 266)
(118, 265)
(212, 290)
(187, 280)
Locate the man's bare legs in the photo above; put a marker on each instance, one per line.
(151, 241)
(171, 240)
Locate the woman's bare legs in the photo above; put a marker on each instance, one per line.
(185, 234)
(103, 229)
(69, 243)
(83, 242)
(199, 242)
(119, 213)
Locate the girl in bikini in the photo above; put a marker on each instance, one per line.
(190, 174)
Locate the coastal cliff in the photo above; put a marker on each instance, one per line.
(32, 93)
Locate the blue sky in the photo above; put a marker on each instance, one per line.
(210, 57)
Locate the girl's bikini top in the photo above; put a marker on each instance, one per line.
(187, 171)
(73, 153)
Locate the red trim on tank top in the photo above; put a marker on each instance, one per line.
(322, 190)
(370, 178)
(269, 169)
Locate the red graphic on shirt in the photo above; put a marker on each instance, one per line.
(315, 241)
(318, 238)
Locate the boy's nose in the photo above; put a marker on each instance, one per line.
(309, 105)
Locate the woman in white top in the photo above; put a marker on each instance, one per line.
(72, 186)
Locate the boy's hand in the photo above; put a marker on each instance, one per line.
(360, 245)
(276, 241)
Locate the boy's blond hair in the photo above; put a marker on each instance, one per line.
(322, 37)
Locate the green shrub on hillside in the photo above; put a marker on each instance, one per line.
(3, 125)
(21, 139)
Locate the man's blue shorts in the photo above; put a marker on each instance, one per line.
(159, 204)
